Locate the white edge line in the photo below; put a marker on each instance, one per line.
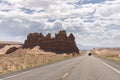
(19, 74)
(109, 66)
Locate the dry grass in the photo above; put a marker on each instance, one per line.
(112, 54)
(82, 52)
(26, 58)
(22, 61)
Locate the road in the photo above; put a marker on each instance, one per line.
(79, 68)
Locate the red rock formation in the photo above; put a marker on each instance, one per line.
(61, 43)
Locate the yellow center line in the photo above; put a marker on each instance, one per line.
(65, 75)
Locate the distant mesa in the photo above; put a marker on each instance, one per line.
(61, 43)
(4, 43)
(10, 43)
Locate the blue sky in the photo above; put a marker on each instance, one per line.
(93, 22)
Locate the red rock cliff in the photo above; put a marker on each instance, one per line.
(61, 42)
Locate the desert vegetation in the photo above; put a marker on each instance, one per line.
(27, 58)
(108, 53)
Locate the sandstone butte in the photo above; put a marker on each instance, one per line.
(61, 43)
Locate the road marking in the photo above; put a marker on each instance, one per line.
(65, 75)
(109, 66)
(20, 73)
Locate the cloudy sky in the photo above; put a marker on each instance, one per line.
(93, 22)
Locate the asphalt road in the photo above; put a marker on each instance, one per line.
(79, 68)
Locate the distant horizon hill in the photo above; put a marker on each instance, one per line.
(82, 47)
(10, 42)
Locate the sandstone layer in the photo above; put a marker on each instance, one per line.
(60, 43)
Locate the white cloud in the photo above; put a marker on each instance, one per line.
(90, 22)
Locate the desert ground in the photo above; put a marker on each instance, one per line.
(108, 53)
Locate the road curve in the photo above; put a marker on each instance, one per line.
(79, 68)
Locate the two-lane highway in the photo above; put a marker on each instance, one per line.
(79, 68)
